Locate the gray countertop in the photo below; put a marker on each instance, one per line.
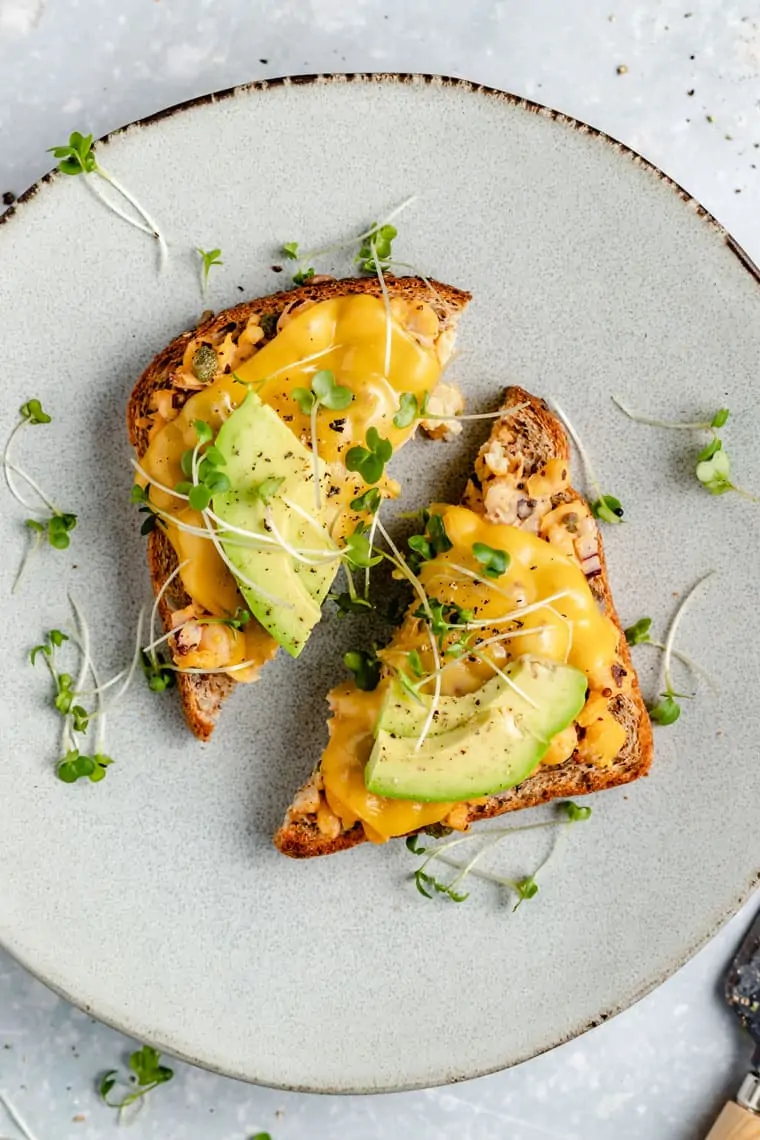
(680, 82)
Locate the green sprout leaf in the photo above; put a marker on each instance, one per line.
(526, 888)
(59, 527)
(369, 501)
(157, 673)
(330, 394)
(199, 497)
(413, 845)
(713, 469)
(268, 488)
(148, 1072)
(303, 276)
(305, 399)
(107, 1081)
(365, 667)
(719, 418)
(666, 711)
(77, 157)
(324, 392)
(239, 619)
(290, 250)
(575, 812)
(443, 616)
(369, 461)
(204, 432)
(379, 240)
(33, 413)
(434, 540)
(408, 410)
(608, 509)
(357, 552)
(209, 258)
(138, 494)
(415, 662)
(74, 766)
(350, 604)
(494, 561)
(638, 633)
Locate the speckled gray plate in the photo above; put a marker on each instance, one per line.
(155, 899)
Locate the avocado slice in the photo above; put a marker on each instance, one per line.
(402, 715)
(258, 446)
(487, 751)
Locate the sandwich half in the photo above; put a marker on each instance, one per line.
(509, 682)
(257, 436)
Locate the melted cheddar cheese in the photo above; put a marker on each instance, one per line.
(346, 335)
(565, 625)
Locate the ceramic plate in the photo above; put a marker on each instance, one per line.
(155, 899)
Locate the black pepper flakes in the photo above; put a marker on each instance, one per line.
(9, 198)
(338, 425)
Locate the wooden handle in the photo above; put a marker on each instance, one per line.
(735, 1123)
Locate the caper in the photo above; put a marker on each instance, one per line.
(205, 363)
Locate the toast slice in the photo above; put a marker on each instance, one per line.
(167, 384)
(522, 445)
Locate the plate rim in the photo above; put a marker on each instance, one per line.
(518, 102)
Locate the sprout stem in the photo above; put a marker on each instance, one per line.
(162, 246)
(585, 458)
(653, 422)
(670, 639)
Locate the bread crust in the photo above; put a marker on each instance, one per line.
(203, 694)
(537, 434)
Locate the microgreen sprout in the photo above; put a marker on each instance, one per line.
(146, 1074)
(604, 507)
(443, 617)
(349, 603)
(411, 409)
(526, 887)
(324, 392)
(357, 552)
(638, 633)
(305, 273)
(52, 523)
(368, 502)
(158, 674)
(713, 467)
(268, 488)
(365, 666)
(68, 693)
(376, 248)
(209, 258)
(408, 410)
(78, 157)
(202, 469)
(667, 709)
(369, 461)
(495, 562)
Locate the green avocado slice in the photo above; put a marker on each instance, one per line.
(481, 752)
(285, 595)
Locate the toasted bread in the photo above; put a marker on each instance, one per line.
(202, 695)
(534, 436)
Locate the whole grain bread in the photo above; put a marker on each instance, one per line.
(533, 435)
(202, 695)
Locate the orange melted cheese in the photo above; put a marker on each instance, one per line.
(568, 628)
(346, 335)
